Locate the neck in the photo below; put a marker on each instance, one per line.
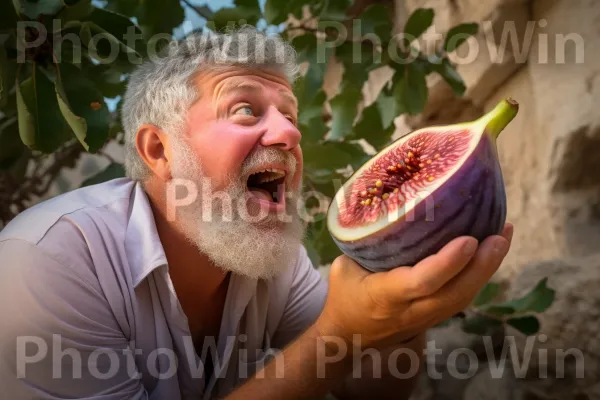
(191, 271)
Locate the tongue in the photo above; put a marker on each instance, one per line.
(261, 194)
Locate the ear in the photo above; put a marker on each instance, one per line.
(152, 146)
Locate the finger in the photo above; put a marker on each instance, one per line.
(427, 276)
(460, 291)
(507, 232)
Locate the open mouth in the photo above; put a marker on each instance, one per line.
(268, 185)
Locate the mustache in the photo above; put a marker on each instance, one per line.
(269, 155)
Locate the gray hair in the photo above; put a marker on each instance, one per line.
(161, 90)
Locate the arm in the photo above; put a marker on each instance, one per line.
(393, 374)
(375, 376)
(53, 318)
(383, 310)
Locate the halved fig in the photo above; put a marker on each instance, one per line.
(422, 191)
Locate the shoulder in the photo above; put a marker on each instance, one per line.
(301, 275)
(34, 224)
(58, 233)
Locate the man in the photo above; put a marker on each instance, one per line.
(188, 279)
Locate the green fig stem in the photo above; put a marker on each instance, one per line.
(496, 120)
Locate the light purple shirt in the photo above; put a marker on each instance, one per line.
(87, 308)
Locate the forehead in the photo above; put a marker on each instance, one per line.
(222, 81)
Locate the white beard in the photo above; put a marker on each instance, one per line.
(259, 249)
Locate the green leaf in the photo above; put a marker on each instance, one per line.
(376, 19)
(312, 252)
(527, 325)
(370, 128)
(489, 292)
(40, 123)
(107, 79)
(295, 8)
(8, 16)
(5, 84)
(159, 16)
(479, 324)
(68, 50)
(418, 22)
(225, 19)
(76, 12)
(228, 18)
(322, 176)
(334, 10)
(112, 171)
(311, 108)
(83, 107)
(537, 300)
(358, 62)
(343, 110)
(251, 6)
(411, 92)
(124, 7)
(388, 108)
(458, 35)
(307, 49)
(333, 155)
(498, 309)
(319, 238)
(12, 146)
(276, 11)
(448, 72)
(313, 131)
(327, 185)
(34, 8)
(119, 26)
(105, 46)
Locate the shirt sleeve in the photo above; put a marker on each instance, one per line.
(305, 301)
(58, 336)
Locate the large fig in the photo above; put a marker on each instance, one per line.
(422, 191)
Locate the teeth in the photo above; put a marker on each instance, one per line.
(270, 174)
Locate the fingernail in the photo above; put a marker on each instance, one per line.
(470, 247)
(511, 230)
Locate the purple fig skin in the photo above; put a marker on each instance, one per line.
(471, 202)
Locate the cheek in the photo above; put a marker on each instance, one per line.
(222, 147)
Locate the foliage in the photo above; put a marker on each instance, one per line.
(518, 313)
(53, 95)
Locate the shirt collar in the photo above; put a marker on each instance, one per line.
(144, 250)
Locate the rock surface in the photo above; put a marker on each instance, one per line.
(569, 329)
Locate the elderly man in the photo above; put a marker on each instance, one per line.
(188, 279)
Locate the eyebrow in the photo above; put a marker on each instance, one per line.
(241, 85)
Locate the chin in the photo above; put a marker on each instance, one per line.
(255, 249)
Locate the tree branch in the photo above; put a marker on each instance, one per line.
(203, 11)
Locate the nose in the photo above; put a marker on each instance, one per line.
(280, 131)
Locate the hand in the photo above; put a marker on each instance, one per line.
(395, 305)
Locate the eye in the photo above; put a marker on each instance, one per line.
(244, 110)
(291, 119)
